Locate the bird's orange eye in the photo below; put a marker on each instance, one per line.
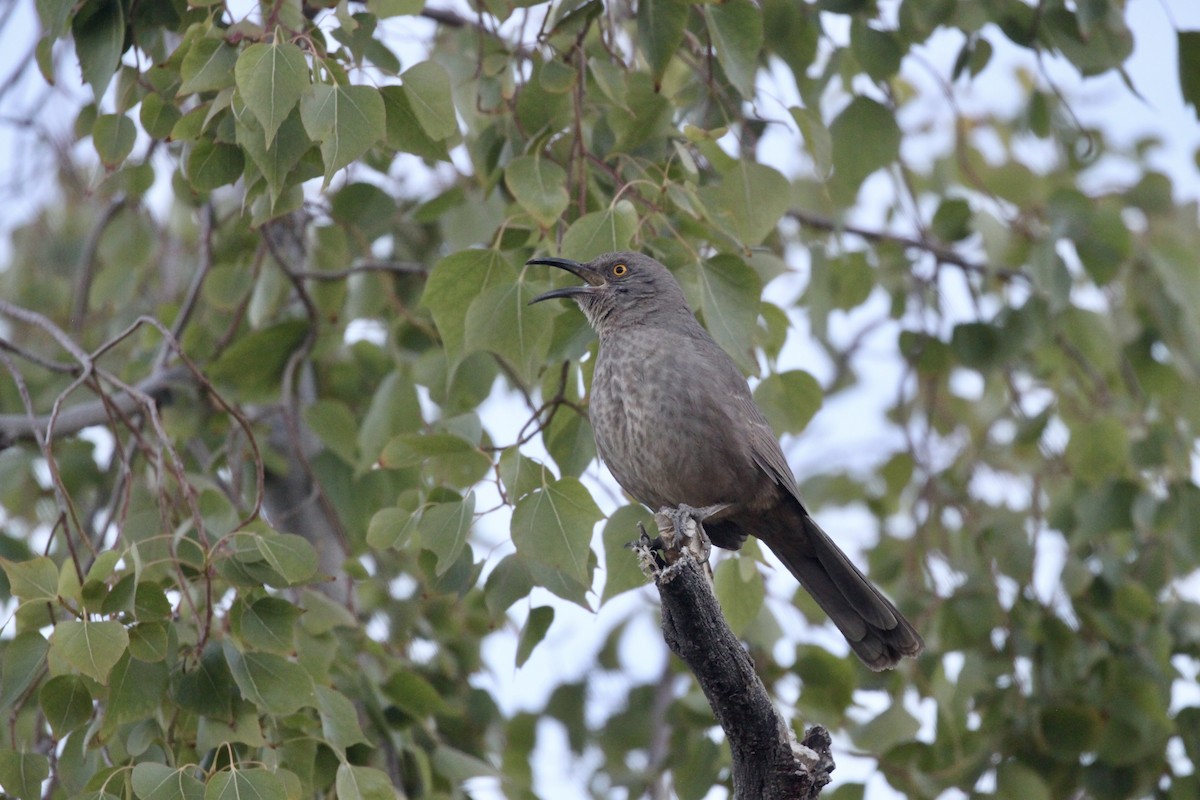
(620, 269)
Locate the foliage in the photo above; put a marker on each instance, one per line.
(250, 548)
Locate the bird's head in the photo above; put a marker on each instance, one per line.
(620, 289)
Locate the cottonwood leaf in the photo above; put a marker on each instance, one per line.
(736, 29)
(66, 703)
(601, 231)
(271, 77)
(32, 580)
(207, 67)
(865, 138)
(500, 320)
(660, 27)
(749, 201)
(153, 781)
(789, 400)
(339, 720)
(24, 657)
(444, 528)
(534, 630)
(622, 572)
(729, 300)
(453, 284)
(98, 30)
(427, 87)
(22, 774)
(362, 783)
(255, 783)
(93, 648)
(539, 186)
(346, 120)
(271, 682)
(553, 527)
(113, 136)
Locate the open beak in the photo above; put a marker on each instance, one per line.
(592, 276)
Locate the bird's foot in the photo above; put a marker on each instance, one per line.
(682, 528)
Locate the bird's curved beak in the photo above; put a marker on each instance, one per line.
(585, 271)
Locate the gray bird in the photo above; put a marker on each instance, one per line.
(676, 424)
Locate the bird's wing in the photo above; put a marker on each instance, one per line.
(764, 447)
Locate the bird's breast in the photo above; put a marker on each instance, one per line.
(662, 432)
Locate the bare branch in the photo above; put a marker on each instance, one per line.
(942, 253)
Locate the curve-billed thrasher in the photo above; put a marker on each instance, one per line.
(676, 424)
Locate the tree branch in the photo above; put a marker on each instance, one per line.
(20, 427)
(768, 763)
(942, 253)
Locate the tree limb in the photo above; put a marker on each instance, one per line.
(20, 427)
(768, 763)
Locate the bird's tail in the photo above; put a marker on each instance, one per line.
(877, 632)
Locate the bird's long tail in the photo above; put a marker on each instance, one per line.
(877, 632)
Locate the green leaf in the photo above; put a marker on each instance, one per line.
(255, 783)
(22, 774)
(749, 201)
(346, 120)
(334, 424)
(404, 130)
(500, 320)
(391, 527)
(740, 592)
(879, 52)
(277, 162)
(255, 362)
(816, 139)
(289, 555)
(729, 302)
(271, 78)
(24, 657)
(33, 580)
(427, 87)
(158, 116)
(553, 526)
(66, 703)
(321, 614)
(621, 565)
(660, 27)
(208, 66)
(98, 30)
(865, 138)
(789, 400)
(444, 528)
(339, 720)
(540, 186)
(362, 783)
(271, 682)
(509, 582)
(1188, 47)
(444, 457)
(453, 284)
(267, 624)
(952, 220)
(413, 694)
(213, 164)
(113, 136)
(1016, 781)
(601, 231)
(93, 648)
(533, 632)
(892, 727)
(153, 781)
(136, 689)
(1098, 449)
(736, 29)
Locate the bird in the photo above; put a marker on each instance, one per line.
(676, 424)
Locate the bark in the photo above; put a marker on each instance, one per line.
(768, 763)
